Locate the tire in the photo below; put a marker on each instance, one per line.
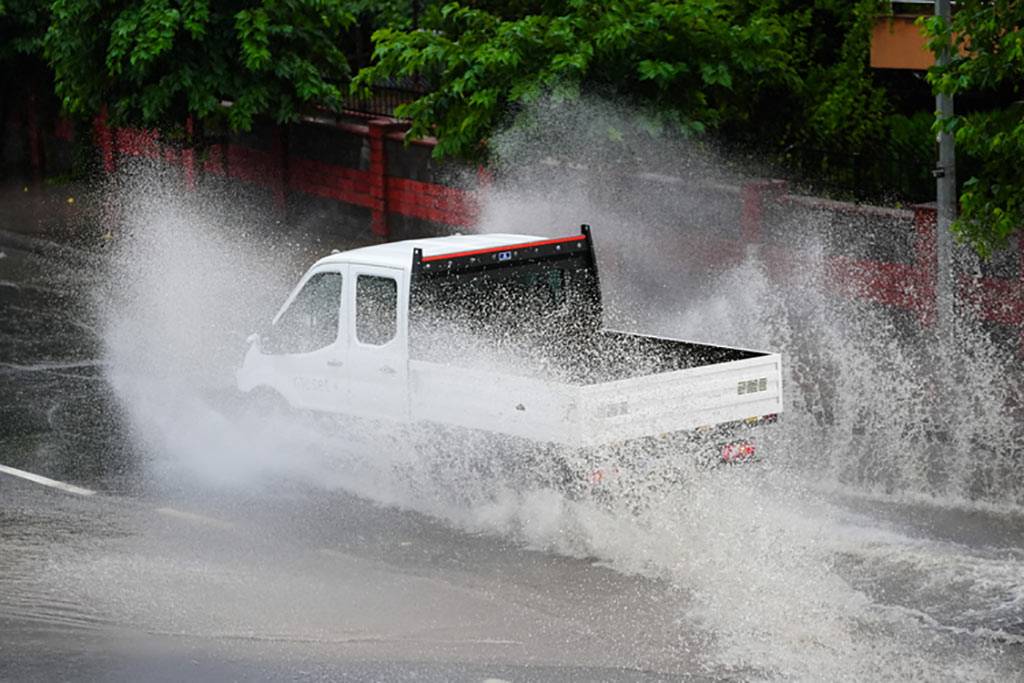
(265, 402)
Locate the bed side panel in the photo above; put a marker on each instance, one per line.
(680, 400)
(492, 401)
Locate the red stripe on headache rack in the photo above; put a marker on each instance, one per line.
(510, 247)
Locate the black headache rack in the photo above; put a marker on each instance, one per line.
(579, 247)
(507, 290)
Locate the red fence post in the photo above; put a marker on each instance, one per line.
(188, 155)
(35, 139)
(1020, 282)
(756, 196)
(484, 185)
(379, 177)
(484, 178)
(105, 138)
(925, 223)
(279, 155)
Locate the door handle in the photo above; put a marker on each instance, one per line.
(387, 369)
(335, 363)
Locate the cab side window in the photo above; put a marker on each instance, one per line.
(311, 321)
(376, 309)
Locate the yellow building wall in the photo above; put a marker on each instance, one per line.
(896, 43)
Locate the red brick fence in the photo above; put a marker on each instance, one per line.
(281, 171)
(375, 176)
(908, 284)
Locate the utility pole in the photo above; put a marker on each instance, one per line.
(946, 199)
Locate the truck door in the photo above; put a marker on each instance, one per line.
(306, 347)
(378, 367)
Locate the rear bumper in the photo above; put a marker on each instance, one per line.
(671, 455)
(736, 442)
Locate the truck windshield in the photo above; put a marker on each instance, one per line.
(311, 320)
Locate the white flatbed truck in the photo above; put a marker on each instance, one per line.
(501, 334)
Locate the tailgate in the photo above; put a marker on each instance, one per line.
(681, 400)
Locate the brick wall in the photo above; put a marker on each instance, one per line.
(340, 161)
(882, 255)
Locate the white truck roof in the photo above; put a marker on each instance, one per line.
(399, 254)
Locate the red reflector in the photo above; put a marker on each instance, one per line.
(738, 451)
(600, 475)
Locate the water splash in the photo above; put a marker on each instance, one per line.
(765, 552)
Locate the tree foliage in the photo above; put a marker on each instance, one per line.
(986, 41)
(24, 78)
(846, 108)
(154, 62)
(787, 79)
(22, 26)
(692, 64)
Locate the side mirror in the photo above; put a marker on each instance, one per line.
(268, 342)
(264, 340)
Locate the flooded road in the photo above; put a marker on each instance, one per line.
(170, 579)
(287, 584)
(164, 573)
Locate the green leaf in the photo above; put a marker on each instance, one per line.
(154, 62)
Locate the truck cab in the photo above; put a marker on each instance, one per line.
(340, 342)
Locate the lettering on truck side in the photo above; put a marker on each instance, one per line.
(319, 384)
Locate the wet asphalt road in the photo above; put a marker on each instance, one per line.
(287, 585)
(147, 581)
(172, 579)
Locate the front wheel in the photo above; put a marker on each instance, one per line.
(264, 402)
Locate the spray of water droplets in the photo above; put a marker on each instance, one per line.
(765, 552)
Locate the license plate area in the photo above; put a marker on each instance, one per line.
(735, 452)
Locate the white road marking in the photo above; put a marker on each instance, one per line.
(46, 481)
(78, 490)
(193, 517)
(56, 365)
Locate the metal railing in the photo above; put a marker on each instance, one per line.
(384, 99)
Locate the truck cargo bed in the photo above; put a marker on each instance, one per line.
(626, 387)
(611, 355)
(605, 356)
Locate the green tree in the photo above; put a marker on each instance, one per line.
(22, 26)
(836, 124)
(25, 80)
(694, 65)
(986, 40)
(154, 62)
(786, 79)
(846, 109)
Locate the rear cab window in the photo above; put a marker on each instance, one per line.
(376, 309)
